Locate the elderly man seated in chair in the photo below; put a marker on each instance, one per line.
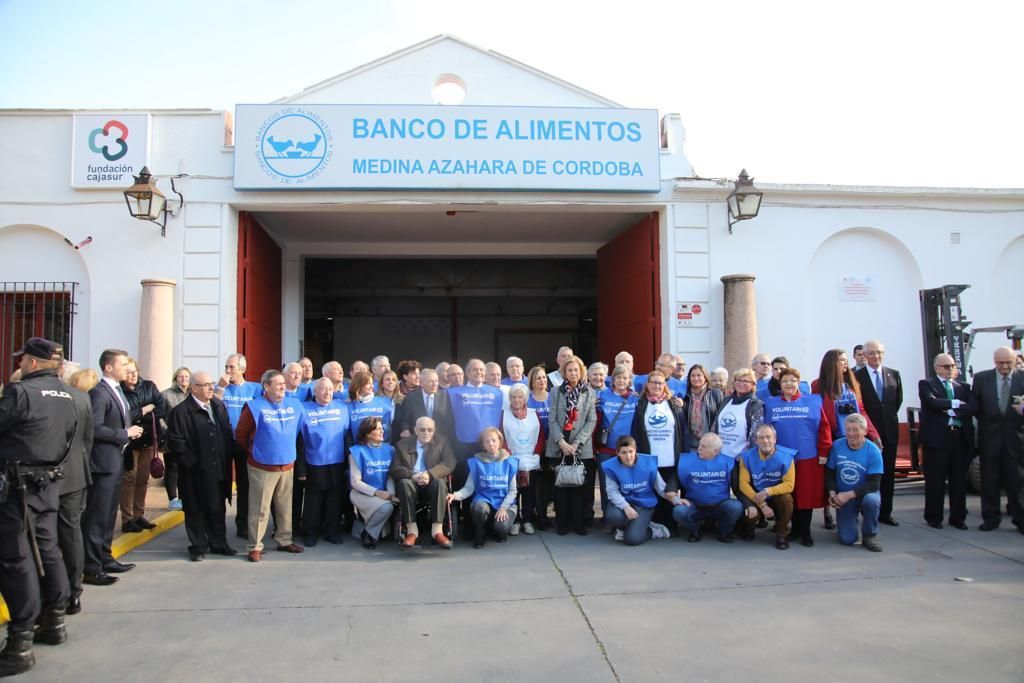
(420, 470)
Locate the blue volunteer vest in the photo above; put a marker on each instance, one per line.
(610, 403)
(706, 482)
(378, 406)
(796, 423)
(474, 409)
(508, 382)
(766, 473)
(846, 400)
(852, 467)
(491, 480)
(373, 463)
(236, 396)
(543, 408)
(277, 428)
(677, 386)
(636, 483)
(323, 432)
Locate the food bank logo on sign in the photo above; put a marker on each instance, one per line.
(108, 149)
(295, 146)
(120, 140)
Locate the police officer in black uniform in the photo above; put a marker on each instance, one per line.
(38, 422)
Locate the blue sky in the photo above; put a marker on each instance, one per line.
(888, 93)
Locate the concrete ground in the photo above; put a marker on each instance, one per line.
(550, 608)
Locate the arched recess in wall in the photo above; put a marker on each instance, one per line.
(35, 258)
(892, 314)
(1006, 278)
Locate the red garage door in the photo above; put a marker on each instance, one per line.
(259, 297)
(629, 295)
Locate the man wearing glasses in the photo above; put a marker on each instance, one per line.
(762, 367)
(199, 435)
(1000, 395)
(946, 410)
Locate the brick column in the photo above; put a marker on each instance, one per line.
(740, 321)
(156, 331)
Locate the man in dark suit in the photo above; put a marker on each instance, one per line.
(1000, 395)
(73, 487)
(427, 401)
(882, 392)
(947, 408)
(420, 468)
(199, 436)
(112, 430)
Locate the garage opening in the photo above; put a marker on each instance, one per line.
(443, 309)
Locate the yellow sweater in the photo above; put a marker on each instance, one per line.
(786, 486)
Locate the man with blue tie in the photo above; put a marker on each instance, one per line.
(420, 468)
(946, 410)
(112, 430)
(429, 400)
(882, 392)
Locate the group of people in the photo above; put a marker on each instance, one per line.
(424, 451)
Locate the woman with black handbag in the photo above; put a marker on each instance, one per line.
(571, 425)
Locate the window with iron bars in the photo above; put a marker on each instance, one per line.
(35, 309)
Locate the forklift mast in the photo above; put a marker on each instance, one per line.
(943, 326)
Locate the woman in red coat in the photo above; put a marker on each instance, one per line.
(840, 396)
(800, 423)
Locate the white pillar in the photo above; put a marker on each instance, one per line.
(156, 331)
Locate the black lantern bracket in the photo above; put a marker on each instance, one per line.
(147, 203)
(744, 201)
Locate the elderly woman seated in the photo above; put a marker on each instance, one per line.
(373, 491)
(492, 485)
(634, 486)
(852, 474)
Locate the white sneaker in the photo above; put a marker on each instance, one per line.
(174, 504)
(659, 530)
(514, 531)
(619, 535)
(528, 529)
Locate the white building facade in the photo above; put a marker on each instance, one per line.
(834, 266)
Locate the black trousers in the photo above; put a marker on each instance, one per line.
(241, 492)
(887, 487)
(20, 584)
(98, 521)
(528, 499)
(1002, 472)
(204, 507)
(321, 511)
(70, 539)
(948, 463)
(298, 496)
(410, 493)
(571, 502)
(663, 509)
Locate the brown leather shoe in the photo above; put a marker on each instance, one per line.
(255, 555)
(290, 548)
(409, 541)
(442, 541)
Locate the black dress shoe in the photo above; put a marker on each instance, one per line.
(196, 557)
(935, 525)
(693, 537)
(144, 523)
(728, 538)
(829, 521)
(74, 605)
(226, 550)
(889, 520)
(958, 525)
(988, 526)
(130, 527)
(116, 567)
(368, 541)
(99, 579)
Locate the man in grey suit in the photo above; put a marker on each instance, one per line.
(1000, 395)
(882, 392)
(112, 430)
(427, 401)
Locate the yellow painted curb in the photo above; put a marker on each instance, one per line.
(125, 543)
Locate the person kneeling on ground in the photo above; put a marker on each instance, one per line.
(766, 482)
(492, 484)
(705, 478)
(853, 474)
(420, 467)
(634, 485)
